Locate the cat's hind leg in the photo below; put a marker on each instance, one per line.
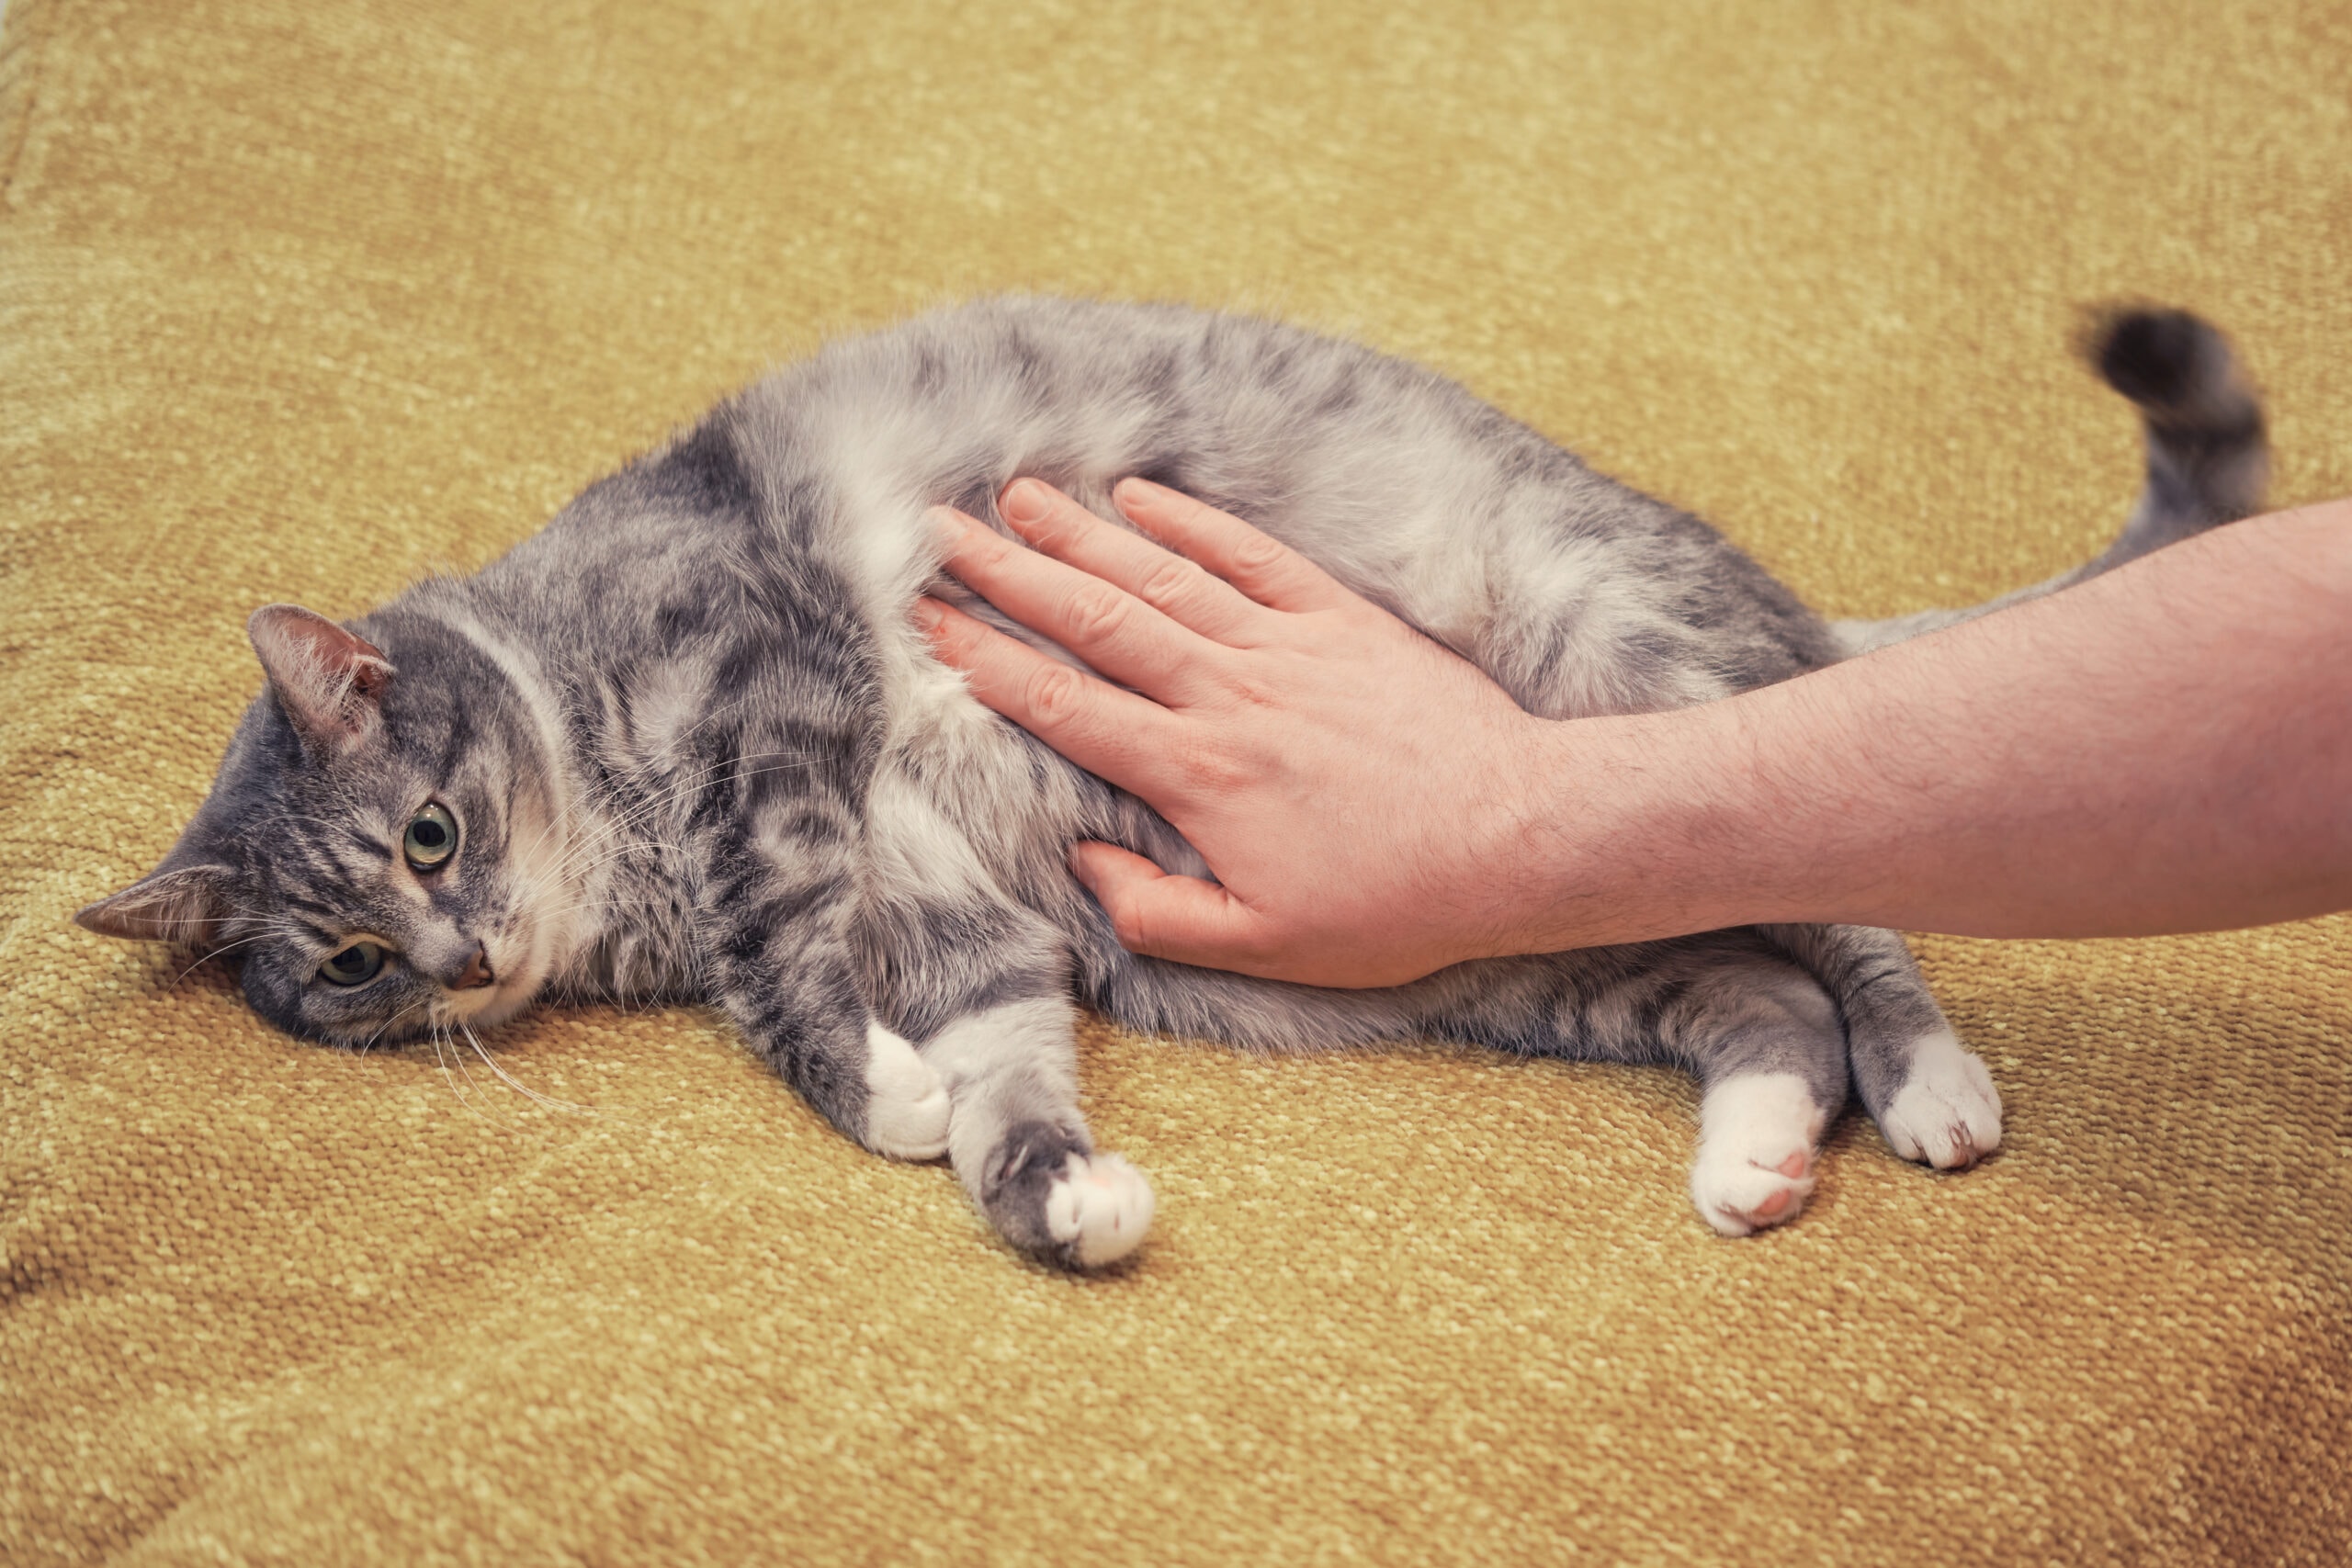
(1020, 1145)
(1766, 1044)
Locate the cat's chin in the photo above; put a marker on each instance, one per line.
(499, 1007)
(490, 1008)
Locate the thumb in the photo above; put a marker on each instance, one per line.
(1179, 918)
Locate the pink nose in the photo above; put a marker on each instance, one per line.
(476, 972)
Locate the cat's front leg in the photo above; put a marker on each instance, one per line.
(1020, 1145)
(861, 1076)
(784, 973)
(907, 1106)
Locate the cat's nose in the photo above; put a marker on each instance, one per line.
(476, 972)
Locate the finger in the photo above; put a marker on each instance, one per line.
(1258, 564)
(1178, 918)
(1106, 731)
(1102, 623)
(1180, 588)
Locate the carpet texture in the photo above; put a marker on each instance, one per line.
(303, 298)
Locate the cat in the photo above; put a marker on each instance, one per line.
(685, 744)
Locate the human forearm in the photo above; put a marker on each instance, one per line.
(2164, 748)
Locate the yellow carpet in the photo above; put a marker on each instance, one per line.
(303, 299)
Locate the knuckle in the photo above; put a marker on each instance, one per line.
(1255, 552)
(984, 546)
(1053, 693)
(1173, 581)
(1097, 610)
(1129, 924)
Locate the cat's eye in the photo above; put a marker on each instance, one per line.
(354, 965)
(431, 839)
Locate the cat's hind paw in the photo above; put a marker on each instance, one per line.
(1946, 1114)
(1098, 1209)
(1740, 1197)
(1758, 1135)
(907, 1106)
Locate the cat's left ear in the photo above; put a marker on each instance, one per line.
(187, 899)
(329, 681)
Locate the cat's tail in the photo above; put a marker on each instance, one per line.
(2209, 450)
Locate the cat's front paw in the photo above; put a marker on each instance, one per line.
(1098, 1209)
(907, 1106)
(1946, 1114)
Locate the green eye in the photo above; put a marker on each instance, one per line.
(354, 965)
(431, 839)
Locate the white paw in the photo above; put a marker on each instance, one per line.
(1740, 1197)
(1756, 1134)
(1103, 1205)
(1946, 1114)
(906, 1113)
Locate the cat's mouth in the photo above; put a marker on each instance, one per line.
(485, 1005)
(495, 987)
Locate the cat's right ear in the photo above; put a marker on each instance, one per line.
(187, 899)
(329, 681)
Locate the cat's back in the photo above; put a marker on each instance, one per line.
(1580, 594)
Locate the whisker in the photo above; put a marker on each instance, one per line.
(452, 1082)
(368, 1044)
(535, 1095)
(205, 958)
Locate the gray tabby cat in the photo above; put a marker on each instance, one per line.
(685, 744)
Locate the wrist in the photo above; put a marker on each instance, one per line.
(1633, 828)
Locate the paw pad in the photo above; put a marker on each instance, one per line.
(1740, 1197)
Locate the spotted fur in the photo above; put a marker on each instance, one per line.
(695, 751)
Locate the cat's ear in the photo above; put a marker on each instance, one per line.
(329, 681)
(187, 899)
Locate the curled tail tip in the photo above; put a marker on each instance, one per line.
(2208, 451)
(2177, 366)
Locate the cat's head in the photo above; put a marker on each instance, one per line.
(379, 852)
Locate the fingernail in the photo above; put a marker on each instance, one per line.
(927, 614)
(1023, 500)
(1134, 491)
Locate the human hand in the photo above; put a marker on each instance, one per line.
(1356, 788)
